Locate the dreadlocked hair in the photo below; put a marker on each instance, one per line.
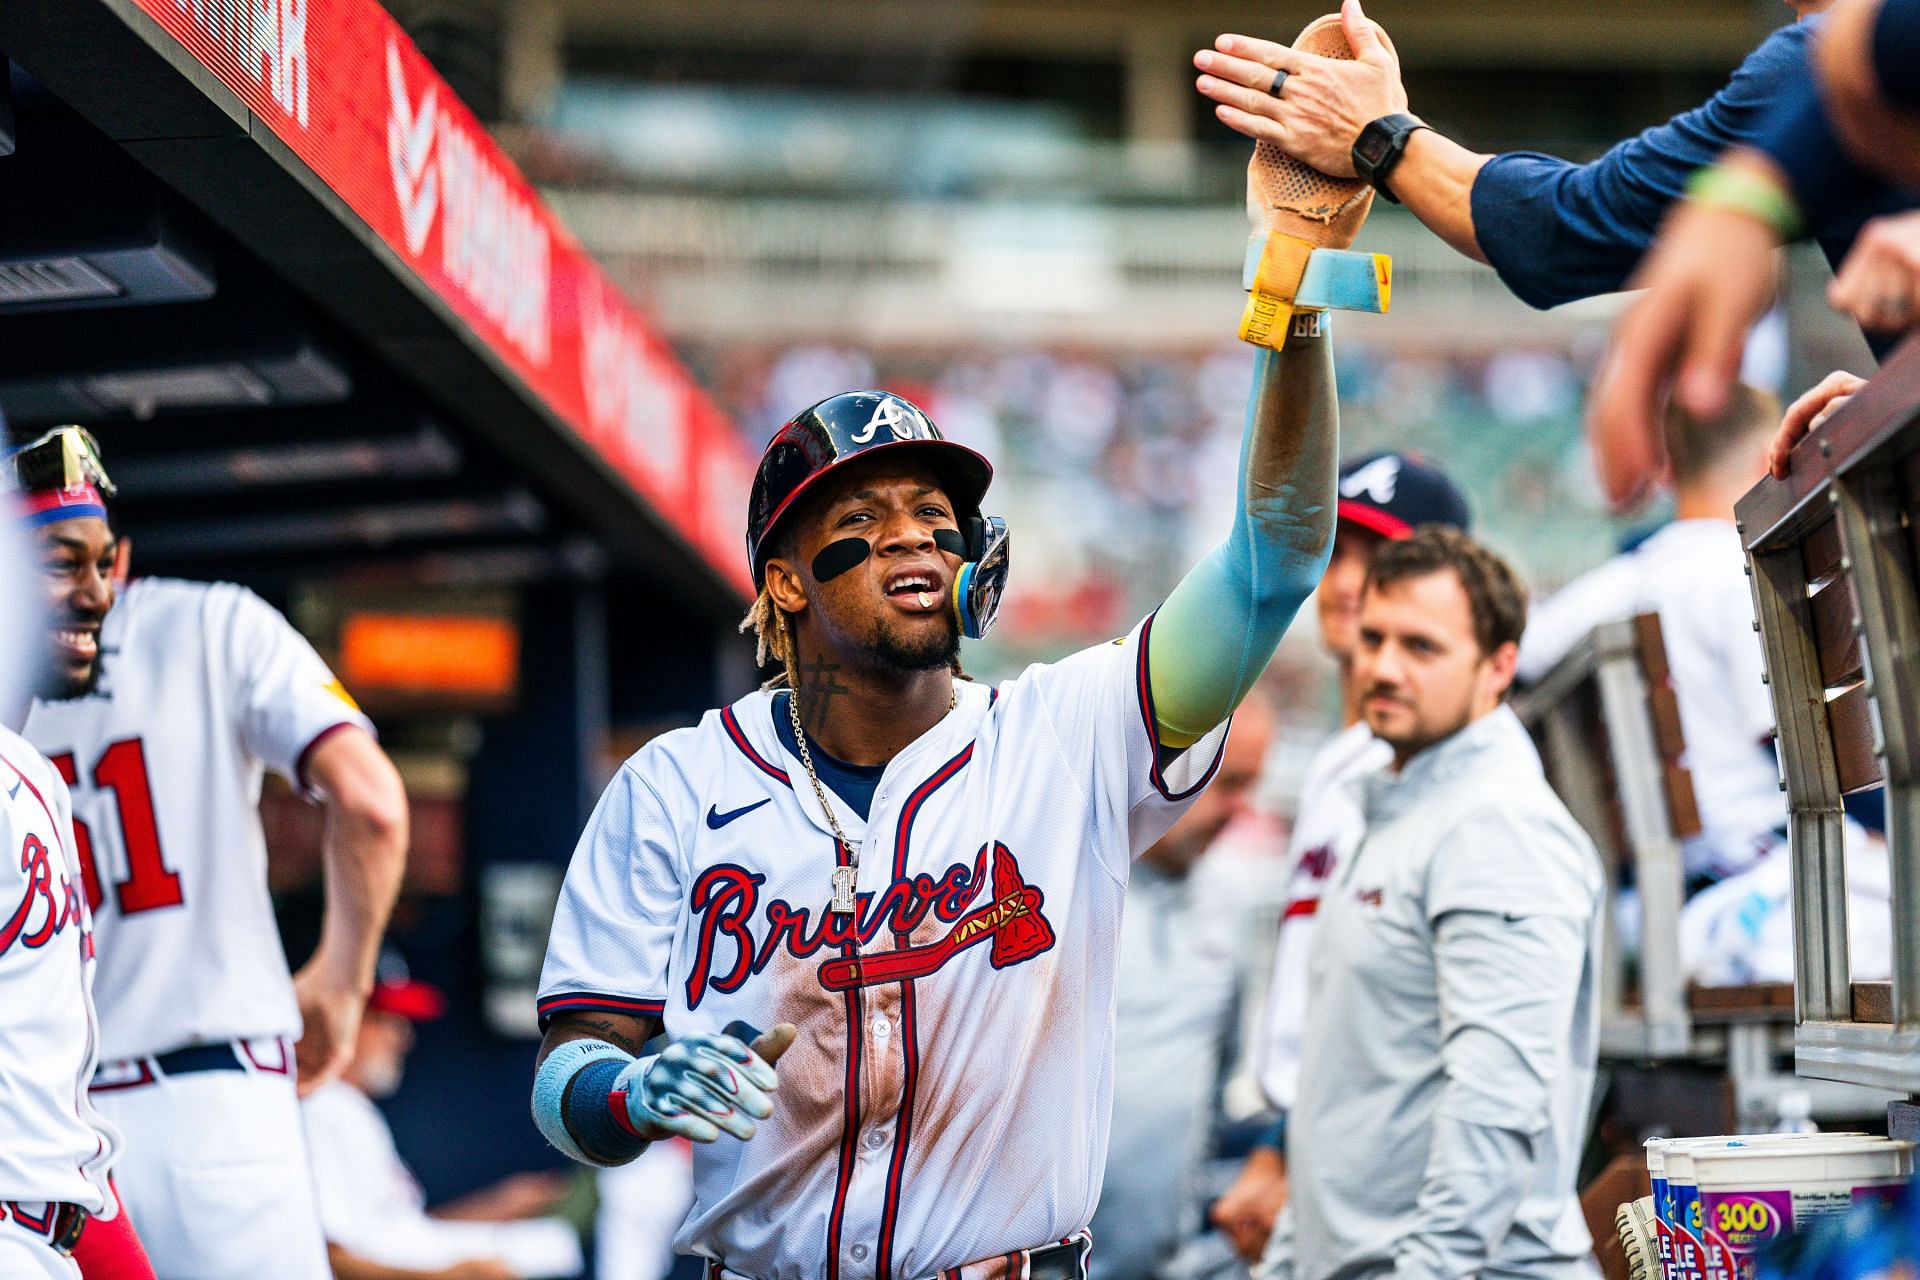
(773, 642)
(772, 639)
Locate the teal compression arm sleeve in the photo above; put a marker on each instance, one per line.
(1216, 632)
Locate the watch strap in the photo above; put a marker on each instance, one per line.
(1377, 151)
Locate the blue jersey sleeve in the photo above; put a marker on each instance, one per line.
(1557, 231)
(1828, 184)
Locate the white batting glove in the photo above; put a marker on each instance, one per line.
(705, 1085)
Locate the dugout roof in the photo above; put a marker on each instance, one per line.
(320, 320)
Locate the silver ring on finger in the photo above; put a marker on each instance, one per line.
(1279, 81)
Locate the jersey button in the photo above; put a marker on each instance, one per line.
(882, 1029)
(859, 1253)
(876, 1139)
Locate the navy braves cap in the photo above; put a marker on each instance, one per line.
(1395, 493)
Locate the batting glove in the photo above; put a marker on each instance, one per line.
(701, 1087)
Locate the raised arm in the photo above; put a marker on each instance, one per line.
(1555, 231)
(1216, 632)
(1323, 106)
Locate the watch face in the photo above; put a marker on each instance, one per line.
(1373, 145)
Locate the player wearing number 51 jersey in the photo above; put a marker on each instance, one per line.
(163, 709)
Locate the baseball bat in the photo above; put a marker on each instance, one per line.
(768, 1044)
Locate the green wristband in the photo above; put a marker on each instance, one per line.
(1719, 187)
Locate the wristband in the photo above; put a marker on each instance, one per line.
(573, 1107)
(1719, 186)
(1274, 268)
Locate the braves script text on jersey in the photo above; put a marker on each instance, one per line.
(947, 1099)
(203, 687)
(56, 1147)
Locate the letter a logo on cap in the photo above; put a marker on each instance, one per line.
(1377, 480)
(895, 416)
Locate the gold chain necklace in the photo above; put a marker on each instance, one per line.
(844, 878)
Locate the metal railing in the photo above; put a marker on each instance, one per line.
(1832, 554)
(1607, 722)
(1608, 727)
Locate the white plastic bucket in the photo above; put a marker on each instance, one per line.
(1681, 1223)
(1750, 1196)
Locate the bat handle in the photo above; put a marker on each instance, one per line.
(768, 1044)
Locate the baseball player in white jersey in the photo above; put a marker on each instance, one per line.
(1382, 497)
(1692, 572)
(54, 1161)
(922, 875)
(57, 1151)
(162, 712)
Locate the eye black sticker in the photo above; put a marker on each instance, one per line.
(837, 557)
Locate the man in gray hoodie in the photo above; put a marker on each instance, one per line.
(1451, 1025)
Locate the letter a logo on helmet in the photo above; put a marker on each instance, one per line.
(899, 418)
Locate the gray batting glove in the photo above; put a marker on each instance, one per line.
(699, 1088)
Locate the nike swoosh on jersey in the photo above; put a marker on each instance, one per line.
(717, 820)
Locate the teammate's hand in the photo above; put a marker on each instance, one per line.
(1879, 283)
(1808, 412)
(330, 1007)
(1324, 102)
(1708, 279)
(706, 1085)
(1247, 1210)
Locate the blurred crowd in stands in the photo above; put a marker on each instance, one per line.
(1140, 449)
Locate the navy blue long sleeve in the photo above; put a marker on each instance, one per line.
(1557, 231)
(1799, 137)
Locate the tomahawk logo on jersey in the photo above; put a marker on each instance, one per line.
(954, 1027)
(203, 687)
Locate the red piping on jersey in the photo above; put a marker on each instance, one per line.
(850, 1124)
(569, 1001)
(313, 744)
(1301, 907)
(1153, 731)
(760, 762)
(909, 1038)
(52, 822)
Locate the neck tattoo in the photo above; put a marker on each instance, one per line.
(843, 902)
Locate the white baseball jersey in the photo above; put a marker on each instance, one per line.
(1692, 573)
(947, 1098)
(204, 686)
(56, 1147)
(1328, 826)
